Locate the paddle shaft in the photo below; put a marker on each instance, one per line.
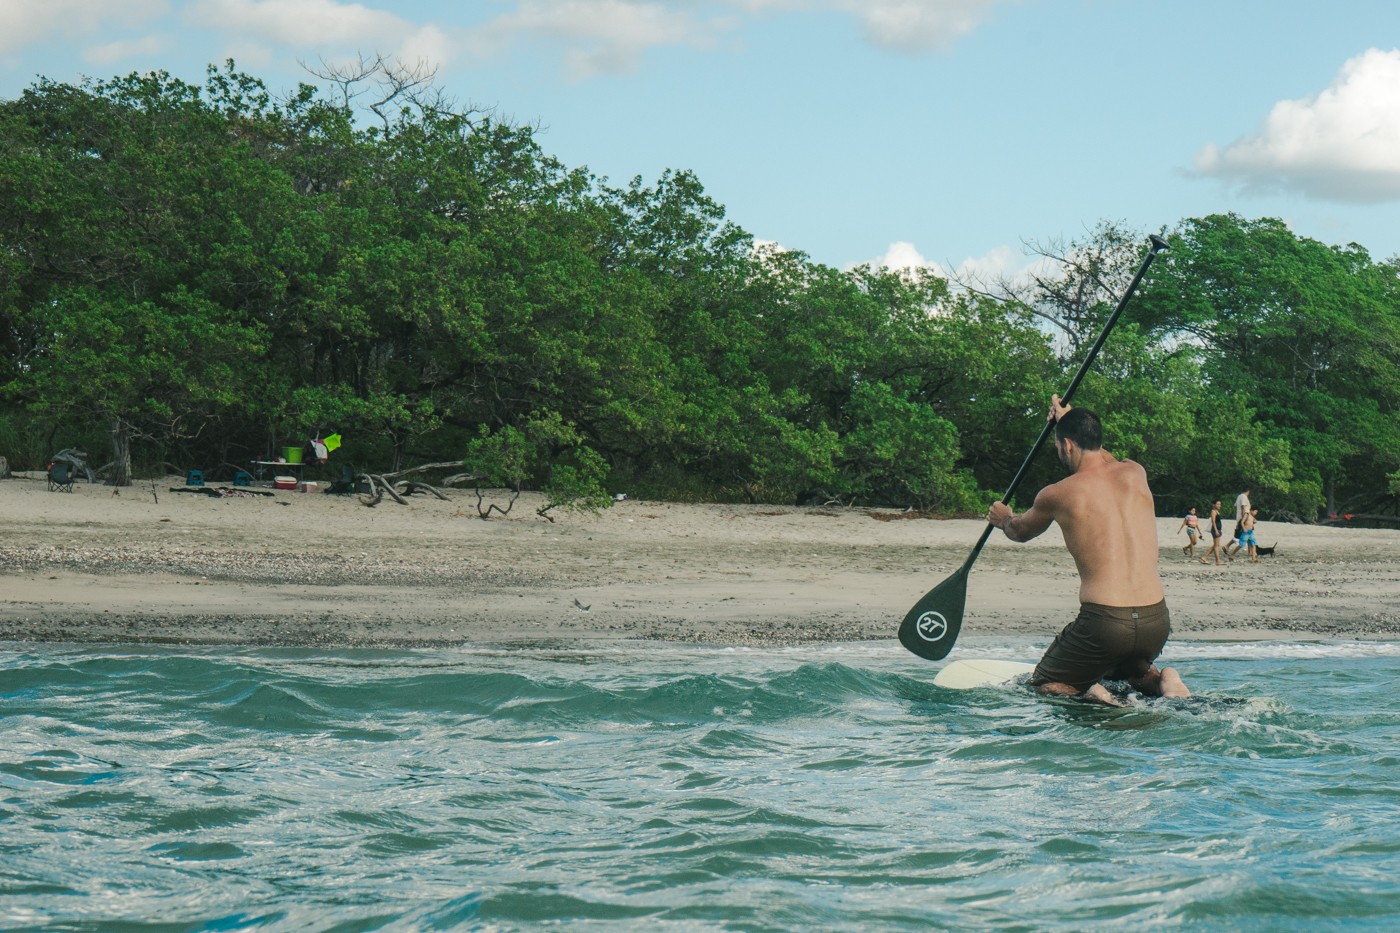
(1157, 245)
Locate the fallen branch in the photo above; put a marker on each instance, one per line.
(409, 489)
(419, 469)
(493, 507)
(379, 487)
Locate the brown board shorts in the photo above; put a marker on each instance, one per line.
(1105, 642)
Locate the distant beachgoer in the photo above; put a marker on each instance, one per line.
(1247, 535)
(1242, 507)
(1192, 524)
(1216, 533)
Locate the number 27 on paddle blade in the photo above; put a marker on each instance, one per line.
(931, 627)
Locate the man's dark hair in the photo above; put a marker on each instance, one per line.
(1081, 426)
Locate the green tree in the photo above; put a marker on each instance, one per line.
(129, 234)
(1305, 333)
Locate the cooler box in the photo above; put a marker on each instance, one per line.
(307, 487)
(284, 482)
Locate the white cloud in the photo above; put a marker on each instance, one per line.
(123, 49)
(591, 36)
(298, 22)
(917, 25)
(26, 21)
(1002, 263)
(1340, 145)
(611, 36)
(903, 255)
(906, 25)
(598, 36)
(253, 25)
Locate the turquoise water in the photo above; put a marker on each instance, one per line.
(653, 787)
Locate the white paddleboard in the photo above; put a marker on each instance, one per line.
(970, 673)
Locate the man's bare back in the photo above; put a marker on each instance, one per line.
(1105, 512)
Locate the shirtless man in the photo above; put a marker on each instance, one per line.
(1242, 508)
(1247, 542)
(1104, 509)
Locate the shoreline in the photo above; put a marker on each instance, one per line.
(147, 565)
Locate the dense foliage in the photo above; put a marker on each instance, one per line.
(200, 275)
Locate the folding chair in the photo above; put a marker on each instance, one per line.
(61, 476)
(344, 484)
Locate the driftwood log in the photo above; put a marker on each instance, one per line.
(493, 507)
(396, 487)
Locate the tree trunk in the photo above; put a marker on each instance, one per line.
(121, 453)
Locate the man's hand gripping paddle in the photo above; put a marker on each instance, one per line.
(931, 627)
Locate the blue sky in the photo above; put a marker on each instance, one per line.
(944, 132)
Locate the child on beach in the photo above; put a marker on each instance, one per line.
(1247, 535)
(1192, 524)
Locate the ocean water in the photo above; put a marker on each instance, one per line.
(655, 787)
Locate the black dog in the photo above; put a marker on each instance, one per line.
(1265, 551)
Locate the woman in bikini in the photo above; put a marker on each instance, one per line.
(1216, 533)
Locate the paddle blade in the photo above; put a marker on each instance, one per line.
(932, 626)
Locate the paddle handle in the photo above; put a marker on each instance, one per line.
(1156, 245)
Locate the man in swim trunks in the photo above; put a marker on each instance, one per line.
(1242, 507)
(1104, 509)
(1247, 542)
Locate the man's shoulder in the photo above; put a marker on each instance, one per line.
(1128, 469)
(1133, 466)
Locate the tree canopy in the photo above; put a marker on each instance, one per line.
(200, 274)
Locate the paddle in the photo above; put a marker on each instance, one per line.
(931, 627)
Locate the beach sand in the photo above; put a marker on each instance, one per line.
(146, 564)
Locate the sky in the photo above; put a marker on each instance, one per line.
(948, 133)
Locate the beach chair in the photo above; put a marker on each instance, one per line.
(61, 475)
(76, 458)
(344, 484)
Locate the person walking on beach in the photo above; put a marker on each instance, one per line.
(1192, 524)
(1247, 535)
(1242, 508)
(1104, 509)
(1215, 533)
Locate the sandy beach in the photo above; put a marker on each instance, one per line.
(147, 564)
